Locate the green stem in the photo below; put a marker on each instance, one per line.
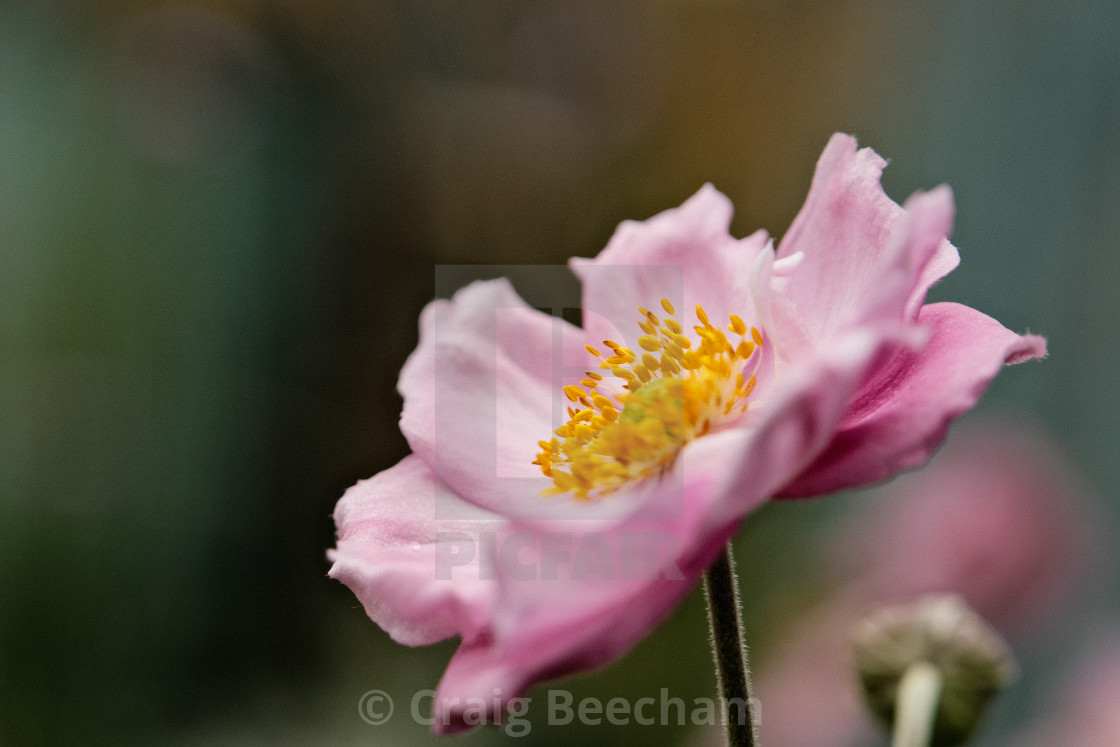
(916, 705)
(721, 589)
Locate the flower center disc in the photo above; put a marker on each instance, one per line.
(673, 392)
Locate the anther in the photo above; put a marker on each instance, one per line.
(573, 392)
(702, 316)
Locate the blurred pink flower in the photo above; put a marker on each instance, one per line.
(997, 516)
(831, 373)
(807, 683)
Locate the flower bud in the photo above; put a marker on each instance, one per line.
(939, 630)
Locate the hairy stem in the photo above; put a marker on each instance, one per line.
(721, 589)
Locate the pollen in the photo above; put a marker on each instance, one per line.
(630, 420)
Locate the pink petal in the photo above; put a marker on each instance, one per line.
(685, 255)
(591, 592)
(583, 624)
(397, 532)
(902, 415)
(944, 260)
(482, 387)
(931, 256)
(865, 258)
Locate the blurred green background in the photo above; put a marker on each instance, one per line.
(220, 220)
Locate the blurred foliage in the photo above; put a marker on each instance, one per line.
(219, 222)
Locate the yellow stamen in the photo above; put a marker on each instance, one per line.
(678, 390)
(573, 392)
(703, 317)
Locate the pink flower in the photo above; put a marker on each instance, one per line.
(808, 683)
(999, 517)
(552, 540)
